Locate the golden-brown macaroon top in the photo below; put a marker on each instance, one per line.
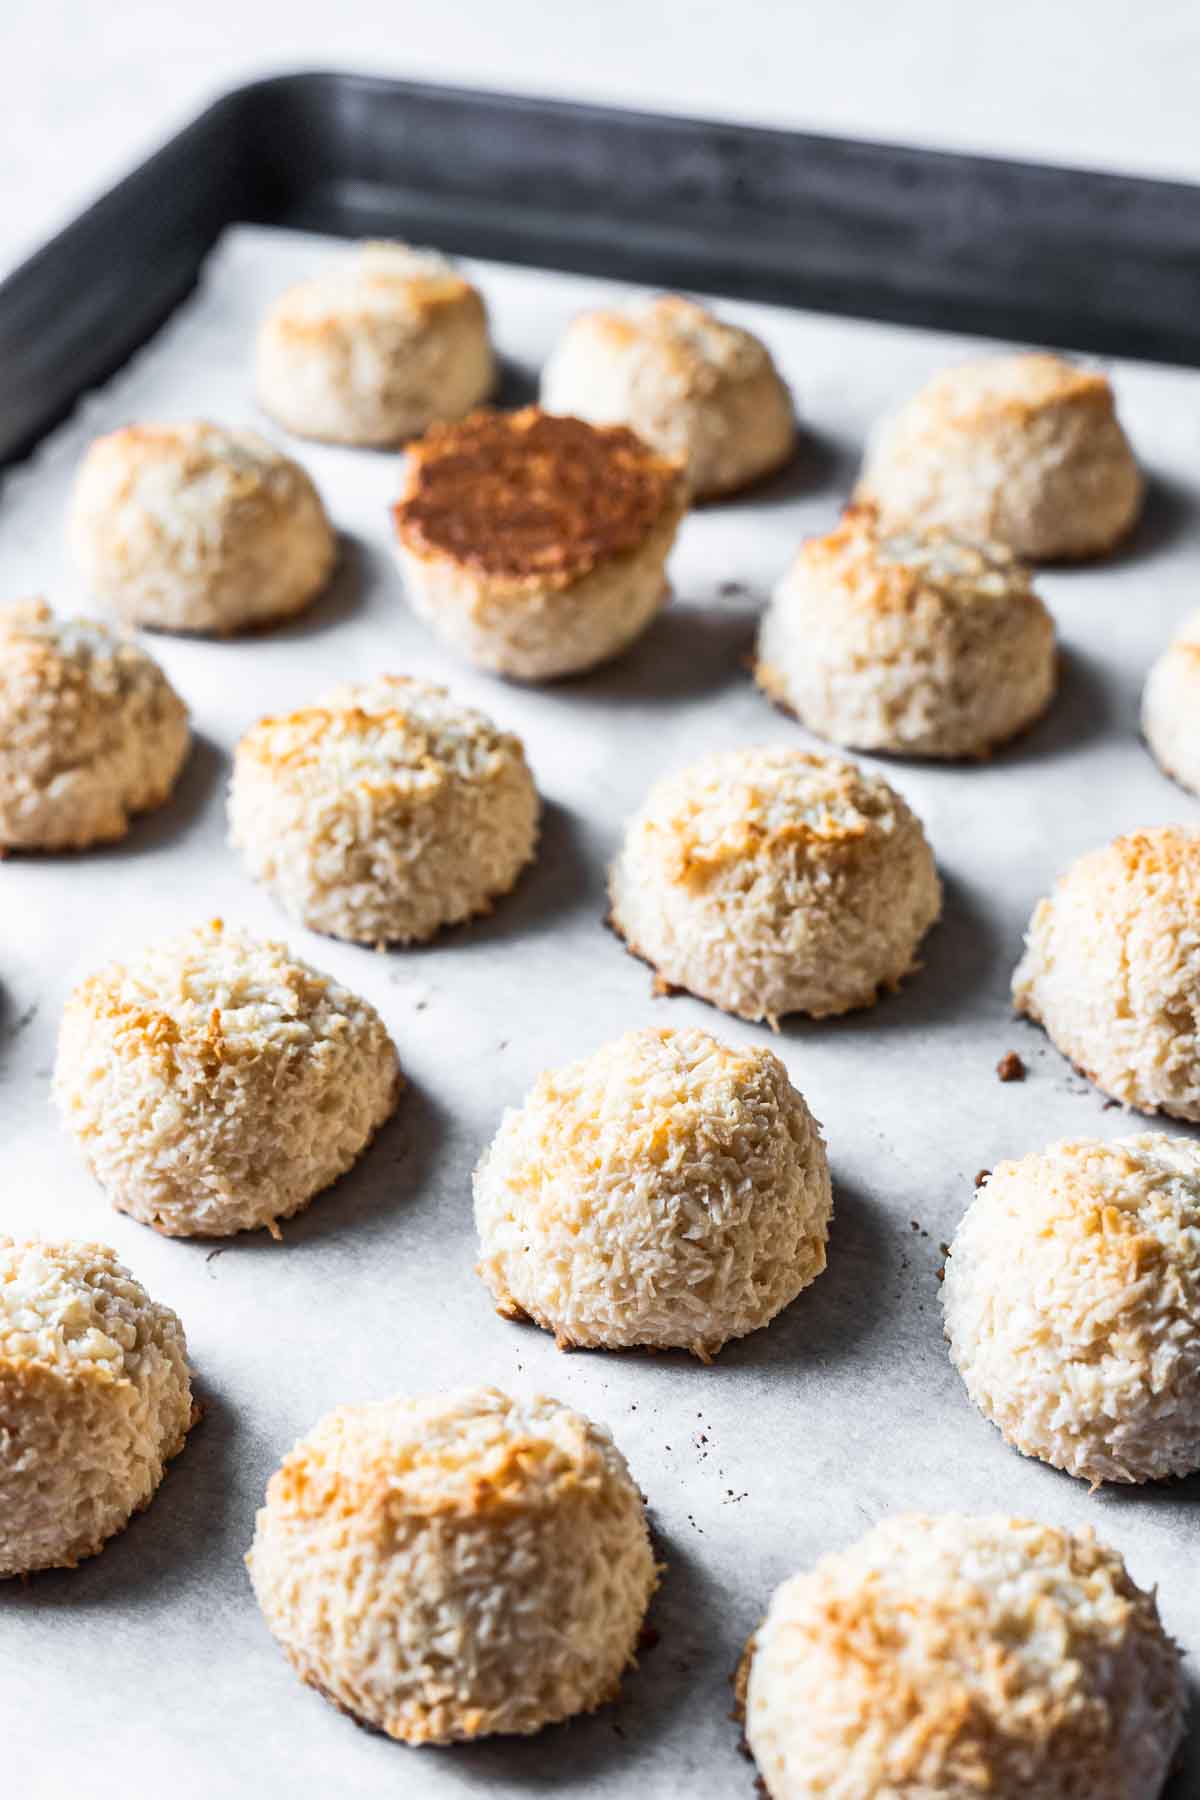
(699, 350)
(769, 802)
(78, 661)
(532, 497)
(1167, 851)
(242, 466)
(1013, 387)
(420, 1458)
(395, 737)
(215, 997)
(876, 571)
(377, 281)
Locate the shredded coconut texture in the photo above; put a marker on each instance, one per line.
(1072, 1306)
(1024, 449)
(959, 1657)
(456, 1565)
(91, 731)
(921, 644)
(1112, 969)
(1171, 707)
(192, 527)
(95, 1397)
(375, 348)
(216, 1083)
(690, 384)
(383, 812)
(668, 1191)
(772, 881)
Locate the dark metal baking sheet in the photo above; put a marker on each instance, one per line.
(1089, 261)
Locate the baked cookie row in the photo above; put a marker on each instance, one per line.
(455, 1565)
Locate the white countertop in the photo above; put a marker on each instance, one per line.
(86, 90)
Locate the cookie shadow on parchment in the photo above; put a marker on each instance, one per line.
(819, 464)
(828, 1323)
(690, 650)
(159, 826)
(1168, 509)
(687, 1653)
(383, 1182)
(159, 1560)
(1083, 708)
(552, 885)
(358, 569)
(1185, 1777)
(517, 384)
(964, 959)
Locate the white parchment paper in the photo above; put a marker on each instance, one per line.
(149, 1669)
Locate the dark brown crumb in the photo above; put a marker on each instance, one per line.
(1011, 1068)
(982, 1176)
(648, 1637)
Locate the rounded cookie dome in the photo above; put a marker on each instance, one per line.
(770, 881)
(456, 1565)
(216, 1083)
(955, 1656)
(1112, 969)
(919, 643)
(691, 385)
(195, 528)
(1171, 708)
(383, 812)
(1072, 1306)
(1027, 449)
(536, 546)
(95, 1398)
(375, 348)
(669, 1191)
(91, 731)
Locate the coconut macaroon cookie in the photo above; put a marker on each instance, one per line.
(688, 383)
(91, 731)
(1112, 969)
(1027, 449)
(95, 1399)
(375, 348)
(383, 812)
(456, 1565)
(771, 881)
(536, 546)
(1072, 1306)
(954, 1656)
(669, 1191)
(1171, 707)
(215, 1083)
(921, 644)
(196, 528)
